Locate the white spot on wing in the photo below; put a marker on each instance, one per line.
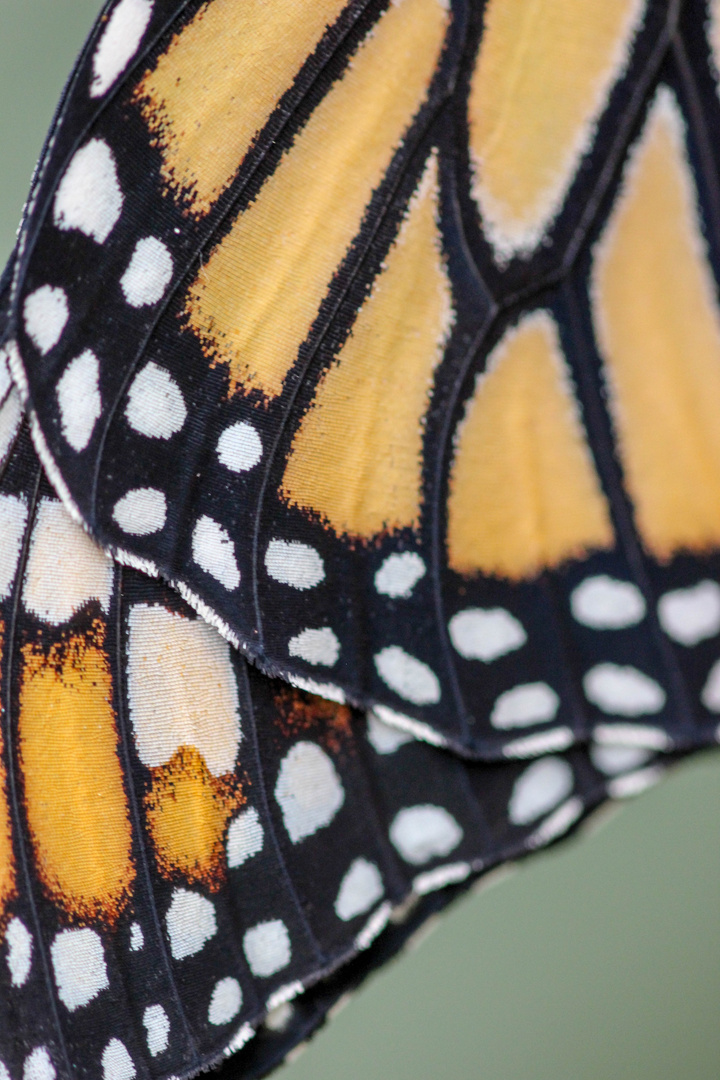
(226, 1001)
(409, 677)
(604, 603)
(239, 447)
(19, 943)
(89, 196)
(319, 646)
(360, 888)
(78, 394)
(5, 1075)
(118, 43)
(277, 1019)
(157, 1029)
(308, 790)
(691, 615)
(214, 552)
(267, 948)
(155, 405)
(710, 695)
(245, 837)
(11, 414)
(384, 738)
(13, 515)
(542, 787)
(191, 923)
(137, 938)
(479, 634)
(45, 313)
(422, 833)
(529, 703)
(148, 274)
(78, 960)
(38, 1065)
(116, 1062)
(399, 574)
(293, 563)
(612, 760)
(141, 512)
(623, 690)
(65, 568)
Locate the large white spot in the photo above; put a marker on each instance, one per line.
(226, 1001)
(623, 690)
(181, 689)
(691, 615)
(157, 1029)
(239, 447)
(78, 394)
(141, 511)
(38, 1065)
(155, 405)
(214, 552)
(119, 43)
(479, 634)
(710, 695)
(78, 960)
(4, 1074)
(65, 568)
(541, 788)
(19, 942)
(191, 922)
(148, 274)
(116, 1062)
(316, 646)
(45, 312)
(89, 196)
(422, 833)
(267, 948)
(293, 563)
(308, 790)
(612, 760)
(529, 703)
(407, 676)
(604, 603)
(399, 574)
(245, 837)
(384, 738)
(13, 515)
(360, 888)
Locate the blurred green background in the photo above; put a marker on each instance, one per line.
(597, 961)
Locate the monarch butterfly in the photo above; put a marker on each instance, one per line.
(413, 217)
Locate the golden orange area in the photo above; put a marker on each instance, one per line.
(187, 811)
(76, 804)
(524, 494)
(7, 856)
(541, 80)
(254, 301)
(658, 326)
(218, 82)
(356, 459)
(300, 713)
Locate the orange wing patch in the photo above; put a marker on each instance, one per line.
(7, 856)
(356, 459)
(245, 305)
(524, 494)
(657, 321)
(76, 803)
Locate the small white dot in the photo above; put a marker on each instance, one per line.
(19, 942)
(425, 832)
(319, 646)
(155, 405)
(245, 837)
(604, 603)
(691, 615)
(38, 1065)
(384, 738)
(295, 564)
(541, 788)
(278, 1019)
(267, 948)
(485, 634)
(214, 552)
(239, 447)
(157, 1029)
(399, 574)
(612, 760)
(623, 690)
(409, 677)
(137, 938)
(529, 703)
(191, 923)
(78, 960)
(89, 197)
(360, 888)
(710, 695)
(308, 790)
(226, 1002)
(148, 274)
(78, 394)
(141, 511)
(119, 43)
(45, 312)
(116, 1062)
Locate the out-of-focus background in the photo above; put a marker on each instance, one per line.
(599, 961)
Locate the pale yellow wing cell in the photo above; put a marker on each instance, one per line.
(256, 298)
(188, 811)
(657, 322)
(356, 459)
(7, 857)
(543, 74)
(218, 82)
(524, 493)
(76, 803)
